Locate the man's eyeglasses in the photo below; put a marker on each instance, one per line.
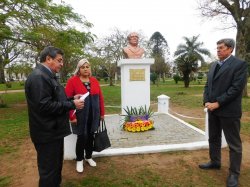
(59, 60)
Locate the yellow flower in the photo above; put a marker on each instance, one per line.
(138, 125)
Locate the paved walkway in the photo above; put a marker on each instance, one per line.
(11, 91)
(170, 134)
(168, 130)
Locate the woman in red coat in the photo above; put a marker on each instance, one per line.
(87, 119)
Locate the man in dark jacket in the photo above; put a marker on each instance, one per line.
(222, 97)
(48, 109)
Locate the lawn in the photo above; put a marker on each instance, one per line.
(164, 169)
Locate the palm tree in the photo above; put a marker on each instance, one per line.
(187, 57)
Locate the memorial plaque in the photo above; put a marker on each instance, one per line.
(137, 74)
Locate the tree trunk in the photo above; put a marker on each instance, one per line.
(163, 77)
(111, 81)
(186, 79)
(240, 50)
(2, 76)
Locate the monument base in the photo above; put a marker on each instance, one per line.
(135, 82)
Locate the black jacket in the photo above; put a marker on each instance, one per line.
(48, 106)
(226, 87)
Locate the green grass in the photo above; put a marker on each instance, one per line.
(112, 97)
(246, 103)
(5, 181)
(189, 97)
(13, 128)
(11, 98)
(148, 175)
(14, 86)
(13, 122)
(245, 128)
(112, 178)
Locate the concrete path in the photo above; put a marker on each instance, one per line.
(11, 91)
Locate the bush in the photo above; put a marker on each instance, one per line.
(106, 79)
(153, 77)
(176, 78)
(21, 83)
(8, 84)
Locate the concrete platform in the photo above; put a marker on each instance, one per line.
(170, 134)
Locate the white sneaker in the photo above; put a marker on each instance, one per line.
(79, 166)
(91, 162)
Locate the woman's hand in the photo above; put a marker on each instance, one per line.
(73, 121)
(77, 96)
(102, 117)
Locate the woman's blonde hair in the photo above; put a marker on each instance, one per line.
(80, 64)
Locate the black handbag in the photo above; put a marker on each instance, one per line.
(101, 139)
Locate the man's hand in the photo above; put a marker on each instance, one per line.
(79, 104)
(212, 106)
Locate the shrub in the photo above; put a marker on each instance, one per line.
(21, 83)
(8, 84)
(106, 79)
(153, 77)
(176, 78)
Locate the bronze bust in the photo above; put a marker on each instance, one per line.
(133, 51)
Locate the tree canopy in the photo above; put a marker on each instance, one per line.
(233, 13)
(39, 23)
(160, 52)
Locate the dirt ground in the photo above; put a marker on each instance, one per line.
(23, 167)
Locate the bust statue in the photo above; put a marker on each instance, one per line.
(133, 50)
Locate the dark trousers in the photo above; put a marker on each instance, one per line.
(84, 143)
(50, 161)
(231, 129)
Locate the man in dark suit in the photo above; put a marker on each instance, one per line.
(48, 109)
(222, 97)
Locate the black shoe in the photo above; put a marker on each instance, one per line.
(209, 165)
(232, 180)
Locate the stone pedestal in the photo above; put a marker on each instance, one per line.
(135, 82)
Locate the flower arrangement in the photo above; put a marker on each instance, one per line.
(138, 120)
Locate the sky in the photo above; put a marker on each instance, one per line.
(173, 19)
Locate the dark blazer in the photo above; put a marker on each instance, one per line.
(226, 87)
(48, 106)
(75, 86)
